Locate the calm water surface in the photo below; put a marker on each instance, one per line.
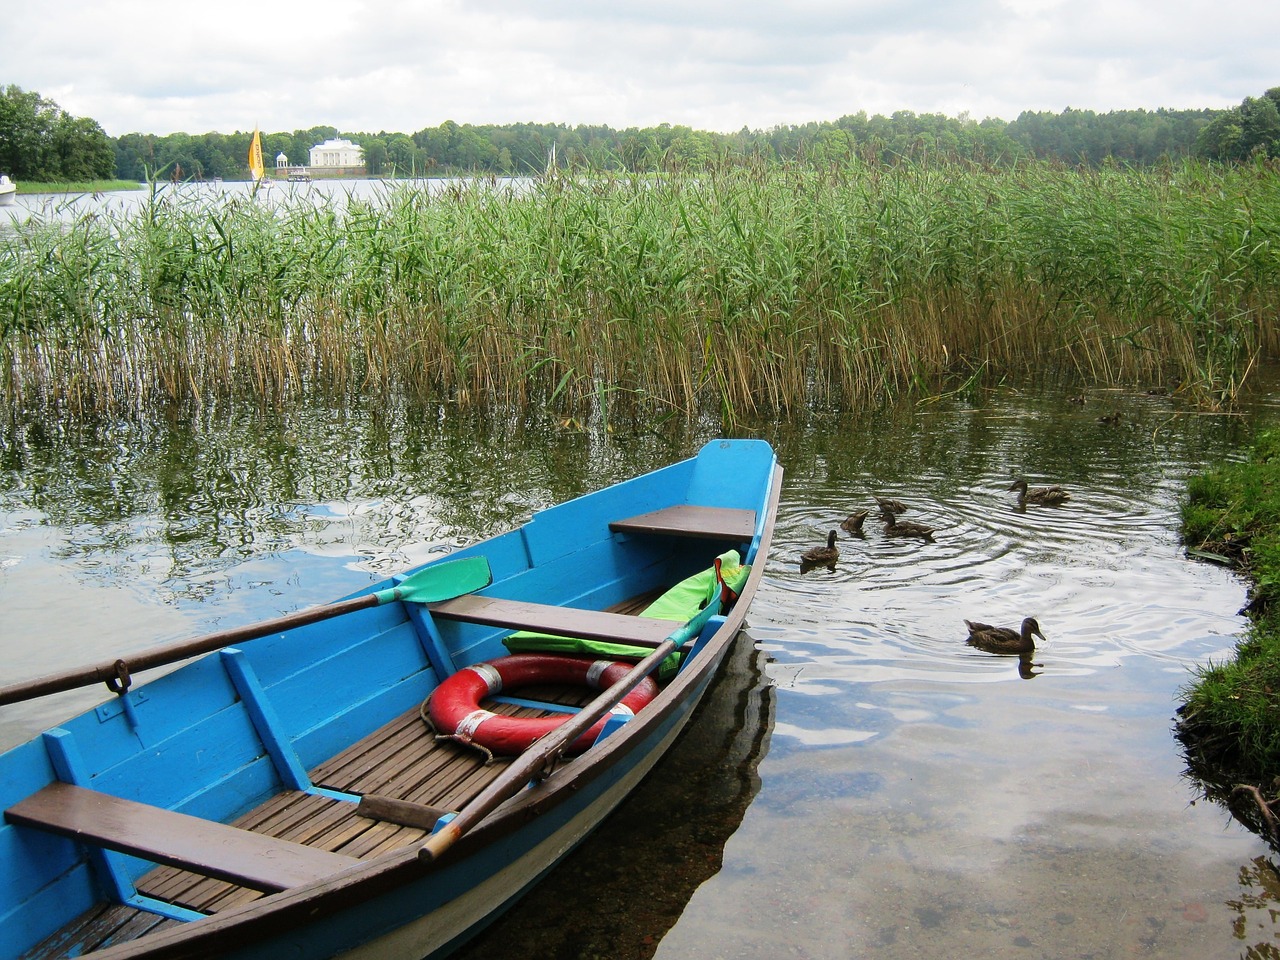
(864, 784)
(64, 207)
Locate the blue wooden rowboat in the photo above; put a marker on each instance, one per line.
(282, 796)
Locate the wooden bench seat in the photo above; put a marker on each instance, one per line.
(559, 621)
(162, 836)
(688, 520)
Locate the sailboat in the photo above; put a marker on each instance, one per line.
(257, 171)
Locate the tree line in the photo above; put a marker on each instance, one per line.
(41, 142)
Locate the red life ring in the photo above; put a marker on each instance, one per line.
(455, 712)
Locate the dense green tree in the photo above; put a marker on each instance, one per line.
(39, 141)
(403, 157)
(375, 155)
(1134, 136)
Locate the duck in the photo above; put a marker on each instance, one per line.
(1049, 496)
(893, 527)
(820, 556)
(890, 505)
(1004, 639)
(853, 522)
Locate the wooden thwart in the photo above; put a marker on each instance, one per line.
(163, 836)
(685, 520)
(560, 621)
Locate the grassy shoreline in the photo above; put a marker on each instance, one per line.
(86, 186)
(1229, 722)
(741, 289)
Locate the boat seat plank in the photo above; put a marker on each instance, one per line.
(560, 621)
(688, 520)
(202, 846)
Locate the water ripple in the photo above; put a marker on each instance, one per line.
(1104, 572)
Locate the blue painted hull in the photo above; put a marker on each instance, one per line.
(230, 732)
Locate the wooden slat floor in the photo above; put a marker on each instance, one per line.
(401, 760)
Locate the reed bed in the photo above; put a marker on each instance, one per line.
(730, 290)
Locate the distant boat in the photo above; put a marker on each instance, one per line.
(257, 171)
(8, 190)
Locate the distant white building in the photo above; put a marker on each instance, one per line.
(282, 162)
(337, 154)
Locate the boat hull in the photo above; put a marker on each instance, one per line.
(199, 744)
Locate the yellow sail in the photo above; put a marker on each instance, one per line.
(256, 170)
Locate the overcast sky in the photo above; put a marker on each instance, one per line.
(402, 65)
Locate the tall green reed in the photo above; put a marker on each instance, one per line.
(725, 291)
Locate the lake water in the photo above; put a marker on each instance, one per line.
(67, 207)
(863, 784)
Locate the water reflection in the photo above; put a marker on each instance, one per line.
(1256, 909)
(183, 502)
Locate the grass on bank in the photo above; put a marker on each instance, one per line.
(1230, 720)
(80, 186)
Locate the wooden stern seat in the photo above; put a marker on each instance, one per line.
(690, 520)
(162, 836)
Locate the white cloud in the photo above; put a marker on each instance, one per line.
(401, 66)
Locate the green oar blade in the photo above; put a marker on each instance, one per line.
(441, 581)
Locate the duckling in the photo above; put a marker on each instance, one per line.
(853, 523)
(1003, 639)
(895, 528)
(820, 556)
(1048, 496)
(890, 505)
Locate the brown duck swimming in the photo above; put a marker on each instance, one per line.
(853, 522)
(820, 556)
(893, 527)
(1049, 496)
(890, 505)
(1003, 639)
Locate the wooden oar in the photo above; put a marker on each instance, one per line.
(440, 581)
(544, 751)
